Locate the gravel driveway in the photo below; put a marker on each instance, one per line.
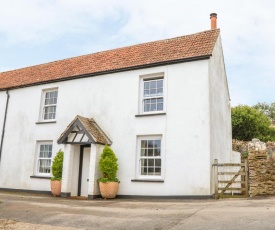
(28, 211)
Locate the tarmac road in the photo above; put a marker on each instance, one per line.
(29, 211)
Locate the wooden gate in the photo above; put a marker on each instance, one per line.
(231, 179)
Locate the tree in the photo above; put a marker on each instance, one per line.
(268, 109)
(248, 123)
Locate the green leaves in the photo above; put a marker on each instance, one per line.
(248, 123)
(267, 109)
(108, 165)
(57, 166)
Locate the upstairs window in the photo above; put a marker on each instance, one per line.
(152, 95)
(49, 104)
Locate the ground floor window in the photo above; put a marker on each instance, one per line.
(150, 156)
(44, 158)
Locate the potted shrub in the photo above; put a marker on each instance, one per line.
(108, 183)
(57, 167)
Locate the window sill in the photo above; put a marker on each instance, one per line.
(44, 122)
(148, 180)
(149, 114)
(40, 177)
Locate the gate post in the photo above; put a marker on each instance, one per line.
(246, 177)
(216, 178)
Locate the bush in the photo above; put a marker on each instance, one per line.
(267, 109)
(270, 135)
(248, 123)
(57, 166)
(108, 165)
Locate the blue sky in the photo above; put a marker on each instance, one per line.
(39, 31)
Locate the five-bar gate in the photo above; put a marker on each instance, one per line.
(231, 179)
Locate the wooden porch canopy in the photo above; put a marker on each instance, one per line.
(83, 131)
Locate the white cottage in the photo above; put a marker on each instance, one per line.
(162, 106)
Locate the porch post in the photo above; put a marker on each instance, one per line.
(93, 188)
(66, 184)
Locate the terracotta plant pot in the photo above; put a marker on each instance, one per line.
(108, 189)
(56, 187)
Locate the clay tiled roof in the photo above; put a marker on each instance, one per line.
(98, 136)
(126, 58)
(94, 130)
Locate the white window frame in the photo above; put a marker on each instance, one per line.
(139, 157)
(38, 158)
(142, 98)
(43, 106)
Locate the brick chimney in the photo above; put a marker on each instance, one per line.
(213, 18)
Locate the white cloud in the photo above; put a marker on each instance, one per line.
(42, 21)
(84, 26)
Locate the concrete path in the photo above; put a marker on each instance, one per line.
(26, 211)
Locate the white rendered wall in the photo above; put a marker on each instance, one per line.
(220, 111)
(112, 100)
(3, 99)
(236, 157)
(221, 137)
(19, 149)
(187, 136)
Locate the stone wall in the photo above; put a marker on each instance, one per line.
(239, 146)
(261, 173)
(261, 165)
(246, 146)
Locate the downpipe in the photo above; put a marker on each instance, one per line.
(4, 124)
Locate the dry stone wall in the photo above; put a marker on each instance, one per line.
(239, 146)
(261, 173)
(261, 165)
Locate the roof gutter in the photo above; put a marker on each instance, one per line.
(149, 65)
(4, 124)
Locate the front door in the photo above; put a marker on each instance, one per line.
(84, 171)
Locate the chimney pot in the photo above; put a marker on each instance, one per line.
(213, 18)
